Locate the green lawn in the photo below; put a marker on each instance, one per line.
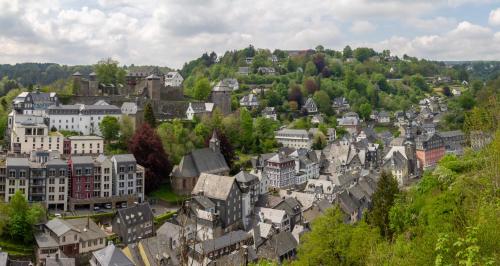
(165, 193)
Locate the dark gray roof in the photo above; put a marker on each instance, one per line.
(347, 203)
(112, 256)
(56, 162)
(52, 261)
(228, 239)
(214, 186)
(283, 243)
(201, 160)
(124, 158)
(205, 202)
(137, 214)
(82, 160)
(244, 177)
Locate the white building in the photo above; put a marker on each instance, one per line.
(294, 138)
(173, 79)
(249, 101)
(86, 145)
(31, 135)
(80, 117)
(103, 177)
(128, 175)
(199, 109)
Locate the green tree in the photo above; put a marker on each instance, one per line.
(126, 129)
(149, 115)
(333, 242)
(246, 128)
(310, 69)
(21, 217)
(418, 82)
(365, 110)
(110, 128)
(383, 200)
(362, 53)
(108, 71)
(201, 89)
(322, 99)
(347, 52)
(319, 141)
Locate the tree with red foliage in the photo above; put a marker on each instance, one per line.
(294, 94)
(319, 62)
(226, 148)
(310, 85)
(148, 151)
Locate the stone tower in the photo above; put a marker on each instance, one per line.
(221, 97)
(93, 84)
(214, 143)
(153, 84)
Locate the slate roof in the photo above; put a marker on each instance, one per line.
(82, 160)
(136, 214)
(201, 161)
(204, 201)
(214, 186)
(249, 100)
(124, 158)
(310, 104)
(283, 242)
(228, 239)
(244, 177)
(59, 226)
(347, 203)
(112, 256)
(272, 215)
(51, 261)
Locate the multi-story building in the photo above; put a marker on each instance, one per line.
(34, 103)
(430, 149)
(18, 170)
(249, 185)
(134, 223)
(103, 177)
(224, 194)
(84, 145)
(128, 176)
(28, 136)
(280, 170)
(80, 117)
(81, 177)
(294, 138)
(68, 238)
(57, 184)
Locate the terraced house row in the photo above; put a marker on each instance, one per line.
(63, 183)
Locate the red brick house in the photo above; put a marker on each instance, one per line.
(430, 149)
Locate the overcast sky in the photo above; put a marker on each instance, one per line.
(171, 32)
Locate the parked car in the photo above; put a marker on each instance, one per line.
(124, 205)
(58, 215)
(96, 208)
(108, 206)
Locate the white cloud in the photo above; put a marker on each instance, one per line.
(466, 41)
(170, 32)
(494, 18)
(362, 26)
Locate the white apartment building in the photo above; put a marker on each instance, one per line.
(128, 176)
(103, 177)
(294, 138)
(57, 184)
(85, 145)
(80, 117)
(280, 170)
(173, 79)
(31, 135)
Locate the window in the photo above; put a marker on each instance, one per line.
(106, 170)
(62, 172)
(12, 173)
(51, 197)
(22, 173)
(51, 189)
(78, 171)
(61, 189)
(61, 197)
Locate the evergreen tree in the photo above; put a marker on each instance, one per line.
(149, 116)
(383, 200)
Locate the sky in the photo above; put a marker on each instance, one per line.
(171, 32)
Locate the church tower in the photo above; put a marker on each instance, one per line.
(214, 143)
